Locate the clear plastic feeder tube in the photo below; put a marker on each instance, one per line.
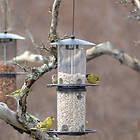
(71, 64)
(7, 49)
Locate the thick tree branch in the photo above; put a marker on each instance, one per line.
(28, 56)
(108, 49)
(137, 3)
(53, 28)
(53, 37)
(9, 116)
(29, 81)
(21, 108)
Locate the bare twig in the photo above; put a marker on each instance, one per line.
(18, 65)
(36, 47)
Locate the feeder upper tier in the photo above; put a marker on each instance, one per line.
(8, 46)
(11, 36)
(73, 41)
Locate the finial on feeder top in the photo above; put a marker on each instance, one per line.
(5, 32)
(72, 37)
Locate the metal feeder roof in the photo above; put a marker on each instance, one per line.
(10, 36)
(73, 41)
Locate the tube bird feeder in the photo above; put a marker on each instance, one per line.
(8, 49)
(71, 87)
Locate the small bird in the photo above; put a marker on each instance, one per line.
(15, 93)
(92, 79)
(45, 125)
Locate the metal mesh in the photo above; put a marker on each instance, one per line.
(71, 110)
(7, 85)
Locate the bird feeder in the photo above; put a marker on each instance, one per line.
(8, 48)
(71, 87)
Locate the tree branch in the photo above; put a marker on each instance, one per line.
(28, 56)
(108, 49)
(55, 9)
(21, 120)
(137, 3)
(53, 37)
(11, 118)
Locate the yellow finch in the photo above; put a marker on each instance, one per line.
(92, 79)
(45, 125)
(15, 93)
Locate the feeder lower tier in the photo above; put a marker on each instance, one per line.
(71, 111)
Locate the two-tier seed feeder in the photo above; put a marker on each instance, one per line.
(71, 87)
(8, 48)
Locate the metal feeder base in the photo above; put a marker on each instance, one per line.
(70, 133)
(71, 85)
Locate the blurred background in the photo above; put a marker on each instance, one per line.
(113, 108)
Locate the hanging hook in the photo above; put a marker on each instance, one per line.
(73, 19)
(5, 16)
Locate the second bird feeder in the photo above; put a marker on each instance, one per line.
(8, 50)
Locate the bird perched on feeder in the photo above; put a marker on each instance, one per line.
(92, 79)
(45, 125)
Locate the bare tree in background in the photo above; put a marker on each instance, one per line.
(20, 119)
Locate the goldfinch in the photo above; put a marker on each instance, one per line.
(45, 125)
(92, 79)
(15, 93)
